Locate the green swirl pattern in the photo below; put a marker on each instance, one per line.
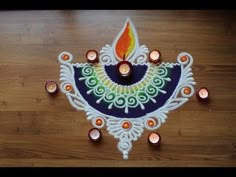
(120, 96)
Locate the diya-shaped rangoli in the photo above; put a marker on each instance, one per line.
(126, 106)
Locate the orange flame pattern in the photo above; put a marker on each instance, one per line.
(125, 43)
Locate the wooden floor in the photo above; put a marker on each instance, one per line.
(38, 130)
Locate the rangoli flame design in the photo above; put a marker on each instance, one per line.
(125, 109)
(126, 42)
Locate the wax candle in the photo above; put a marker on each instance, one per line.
(95, 134)
(51, 87)
(154, 138)
(203, 93)
(155, 56)
(92, 56)
(124, 68)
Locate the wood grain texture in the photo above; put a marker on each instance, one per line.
(37, 130)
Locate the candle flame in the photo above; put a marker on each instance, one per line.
(126, 42)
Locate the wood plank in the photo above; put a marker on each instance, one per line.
(39, 130)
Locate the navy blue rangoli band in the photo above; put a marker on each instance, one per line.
(173, 73)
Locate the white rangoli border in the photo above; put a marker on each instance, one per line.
(114, 124)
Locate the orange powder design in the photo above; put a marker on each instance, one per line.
(125, 44)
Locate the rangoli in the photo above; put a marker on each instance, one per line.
(126, 106)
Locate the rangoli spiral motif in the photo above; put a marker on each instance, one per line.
(126, 107)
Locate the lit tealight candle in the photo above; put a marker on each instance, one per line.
(92, 56)
(51, 87)
(154, 138)
(124, 68)
(203, 93)
(95, 134)
(155, 56)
